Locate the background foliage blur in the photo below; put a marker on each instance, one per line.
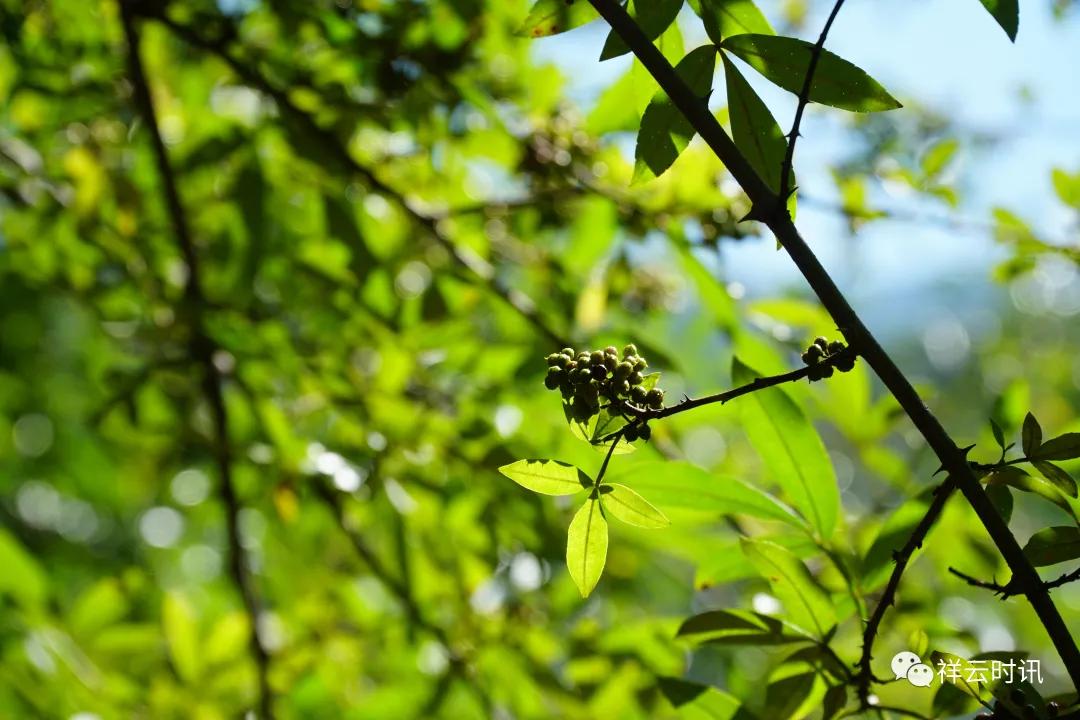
(399, 209)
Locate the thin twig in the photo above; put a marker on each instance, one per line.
(804, 99)
(901, 557)
(1009, 589)
(475, 265)
(202, 349)
(772, 211)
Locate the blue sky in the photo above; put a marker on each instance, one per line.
(947, 55)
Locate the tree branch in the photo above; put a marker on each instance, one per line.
(901, 559)
(773, 211)
(1009, 589)
(202, 349)
(467, 260)
(804, 99)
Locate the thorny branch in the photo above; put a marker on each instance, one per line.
(804, 99)
(770, 208)
(1009, 589)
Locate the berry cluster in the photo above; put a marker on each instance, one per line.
(1027, 710)
(589, 377)
(822, 356)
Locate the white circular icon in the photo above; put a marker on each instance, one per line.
(902, 662)
(920, 675)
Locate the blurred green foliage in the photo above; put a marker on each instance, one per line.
(398, 215)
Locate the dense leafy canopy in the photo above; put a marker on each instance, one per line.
(281, 442)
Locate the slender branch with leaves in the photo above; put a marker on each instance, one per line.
(605, 399)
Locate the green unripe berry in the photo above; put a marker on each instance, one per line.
(638, 394)
(569, 352)
(640, 364)
(599, 372)
(815, 353)
(623, 370)
(655, 398)
(846, 363)
(821, 342)
(611, 362)
(596, 358)
(611, 350)
(644, 432)
(630, 350)
(553, 379)
(623, 387)
(814, 372)
(826, 371)
(635, 378)
(630, 433)
(835, 346)
(807, 360)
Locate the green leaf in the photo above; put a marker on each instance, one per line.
(723, 18)
(1007, 14)
(835, 700)
(652, 16)
(1017, 478)
(606, 424)
(551, 17)
(1052, 545)
(788, 692)
(999, 435)
(739, 627)
(937, 157)
(664, 131)
(548, 477)
(586, 546)
(679, 484)
(181, 635)
(1002, 499)
(699, 702)
(837, 82)
(1067, 186)
(22, 577)
(631, 508)
(1057, 477)
(1030, 435)
(754, 129)
(791, 450)
(1063, 447)
(807, 606)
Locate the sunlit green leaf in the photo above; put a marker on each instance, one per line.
(665, 132)
(679, 484)
(699, 702)
(739, 627)
(754, 130)
(652, 16)
(724, 18)
(181, 633)
(586, 546)
(836, 82)
(805, 603)
(551, 17)
(1017, 478)
(1057, 477)
(22, 577)
(626, 505)
(791, 450)
(548, 477)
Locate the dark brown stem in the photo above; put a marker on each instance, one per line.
(768, 207)
(804, 100)
(901, 559)
(202, 349)
(1008, 590)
